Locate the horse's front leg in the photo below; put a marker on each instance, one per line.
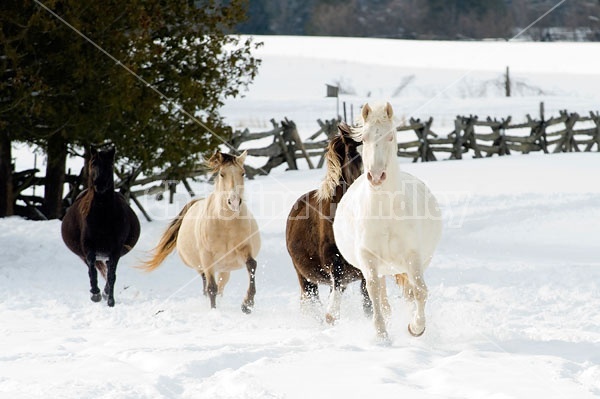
(248, 303)
(375, 292)
(90, 260)
(203, 275)
(111, 278)
(369, 267)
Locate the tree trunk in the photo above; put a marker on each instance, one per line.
(56, 152)
(6, 183)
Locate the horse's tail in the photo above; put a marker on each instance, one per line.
(101, 266)
(167, 242)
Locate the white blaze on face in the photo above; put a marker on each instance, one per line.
(231, 183)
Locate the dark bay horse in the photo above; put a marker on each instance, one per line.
(309, 231)
(100, 227)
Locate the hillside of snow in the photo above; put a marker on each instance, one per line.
(514, 288)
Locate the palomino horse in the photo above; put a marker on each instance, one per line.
(388, 223)
(309, 232)
(217, 234)
(100, 227)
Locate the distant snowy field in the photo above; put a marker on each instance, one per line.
(514, 287)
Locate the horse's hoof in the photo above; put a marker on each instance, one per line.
(330, 319)
(246, 308)
(111, 302)
(383, 338)
(97, 297)
(413, 334)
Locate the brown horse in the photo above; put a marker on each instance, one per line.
(100, 227)
(309, 232)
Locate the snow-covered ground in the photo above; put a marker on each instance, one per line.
(514, 287)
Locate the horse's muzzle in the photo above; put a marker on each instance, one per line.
(234, 204)
(376, 178)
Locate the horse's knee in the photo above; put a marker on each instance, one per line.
(251, 265)
(212, 288)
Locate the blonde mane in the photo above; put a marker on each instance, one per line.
(333, 176)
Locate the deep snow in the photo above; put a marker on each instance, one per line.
(514, 286)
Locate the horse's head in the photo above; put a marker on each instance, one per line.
(230, 178)
(100, 169)
(379, 141)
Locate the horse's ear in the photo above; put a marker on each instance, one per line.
(366, 110)
(344, 130)
(216, 159)
(242, 157)
(111, 152)
(388, 110)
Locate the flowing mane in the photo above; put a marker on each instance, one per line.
(334, 158)
(339, 168)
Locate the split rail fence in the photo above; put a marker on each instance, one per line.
(567, 132)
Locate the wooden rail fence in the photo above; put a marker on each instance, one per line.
(563, 133)
(566, 132)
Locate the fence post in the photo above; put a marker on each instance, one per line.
(543, 142)
(507, 82)
(458, 140)
(596, 140)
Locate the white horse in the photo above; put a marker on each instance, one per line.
(215, 235)
(388, 223)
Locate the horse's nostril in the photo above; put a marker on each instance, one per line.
(228, 202)
(382, 178)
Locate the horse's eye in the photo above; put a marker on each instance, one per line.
(221, 174)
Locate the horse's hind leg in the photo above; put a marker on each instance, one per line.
(407, 291)
(367, 304)
(93, 274)
(222, 281)
(309, 292)
(248, 303)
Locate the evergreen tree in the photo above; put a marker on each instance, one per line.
(75, 95)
